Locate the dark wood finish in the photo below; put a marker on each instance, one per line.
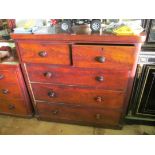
(13, 106)
(78, 96)
(107, 57)
(14, 98)
(78, 76)
(94, 83)
(86, 115)
(45, 53)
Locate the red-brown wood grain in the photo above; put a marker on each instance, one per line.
(14, 98)
(10, 91)
(84, 38)
(78, 96)
(116, 57)
(54, 53)
(13, 107)
(8, 74)
(79, 115)
(78, 76)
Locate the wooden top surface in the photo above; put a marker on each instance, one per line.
(81, 34)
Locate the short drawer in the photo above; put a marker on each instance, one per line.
(78, 96)
(14, 106)
(8, 76)
(78, 76)
(79, 115)
(45, 53)
(109, 57)
(10, 91)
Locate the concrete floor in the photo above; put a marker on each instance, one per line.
(20, 126)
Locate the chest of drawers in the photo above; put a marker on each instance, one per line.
(14, 98)
(83, 78)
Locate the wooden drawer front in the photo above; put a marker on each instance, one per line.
(8, 76)
(45, 53)
(11, 91)
(78, 96)
(109, 57)
(78, 76)
(96, 116)
(16, 107)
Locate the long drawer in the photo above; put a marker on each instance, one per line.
(78, 76)
(79, 115)
(40, 52)
(108, 57)
(78, 96)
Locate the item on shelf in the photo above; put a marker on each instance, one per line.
(11, 24)
(124, 28)
(5, 53)
(1, 24)
(22, 30)
(66, 24)
(42, 30)
(6, 37)
(28, 26)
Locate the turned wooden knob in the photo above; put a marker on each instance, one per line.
(98, 116)
(42, 53)
(99, 99)
(55, 112)
(51, 94)
(5, 91)
(48, 74)
(11, 107)
(1, 76)
(100, 78)
(100, 59)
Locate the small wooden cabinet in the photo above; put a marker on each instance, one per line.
(14, 98)
(79, 78)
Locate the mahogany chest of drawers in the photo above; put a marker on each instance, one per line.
(14, 98)
(81, 78)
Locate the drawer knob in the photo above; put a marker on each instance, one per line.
(100, 59)
(48, 74)
(1, 76)
(51, 94)
(99, 99)
(98, 116)
(55, 112)
(11, 107)
(42, 53)
(100, 78)
(5, 91)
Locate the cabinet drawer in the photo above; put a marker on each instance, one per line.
(78, 76)
(78, 96)
(13, 106)
(8, 76)
(74, 114)
(109, 57)
(45, 53)
(10, 91)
